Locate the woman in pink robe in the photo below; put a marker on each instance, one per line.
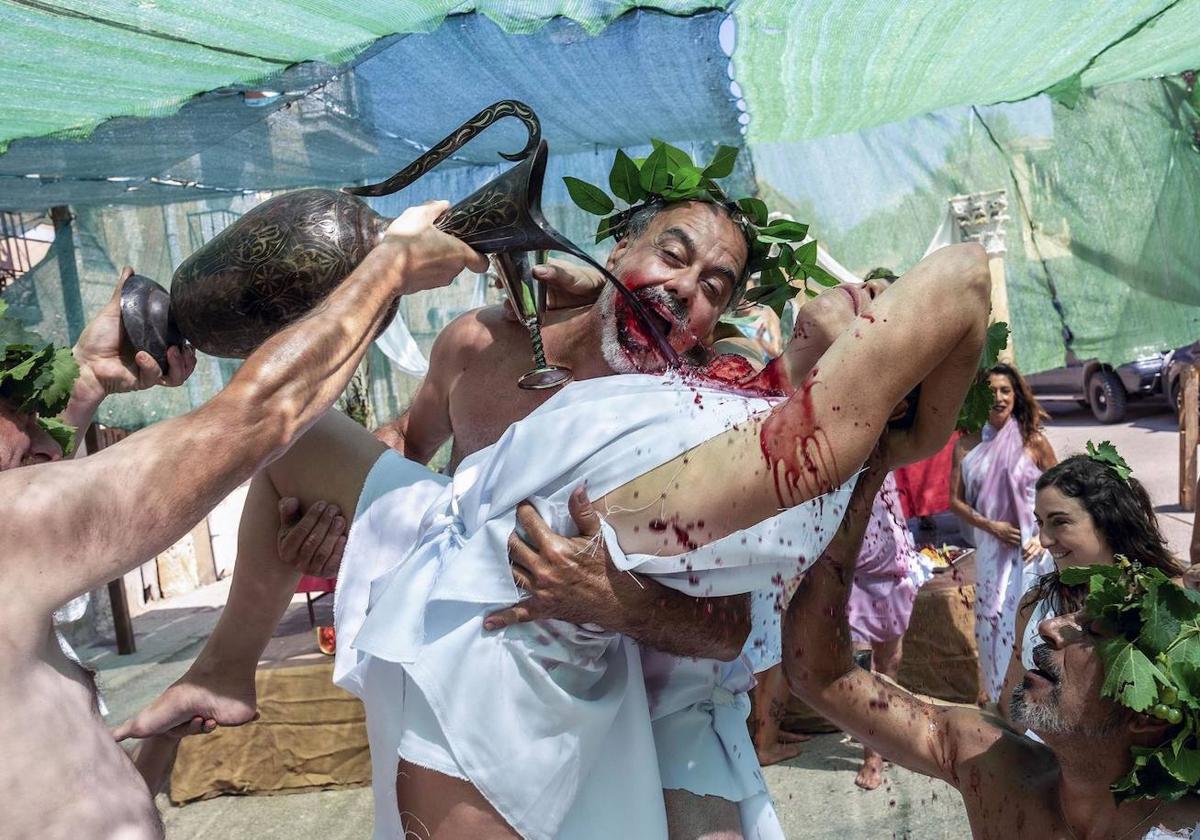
(887, 575)
(992, 486)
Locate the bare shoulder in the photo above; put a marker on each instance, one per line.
(29, 500)
(976, 736)
(1040, 449)
(966, 443)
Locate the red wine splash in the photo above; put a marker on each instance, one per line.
(665, 350)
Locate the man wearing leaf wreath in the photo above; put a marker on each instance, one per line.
(68, 526)
(1115, 698)
(483, 726)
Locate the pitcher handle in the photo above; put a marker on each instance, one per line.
(455, 141)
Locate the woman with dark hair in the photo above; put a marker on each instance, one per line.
(1087, 514)
(992, 479)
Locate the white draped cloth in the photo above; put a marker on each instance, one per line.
(568, 731)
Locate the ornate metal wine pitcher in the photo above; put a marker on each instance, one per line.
(276, 262)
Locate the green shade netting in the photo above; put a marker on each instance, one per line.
(1104, 203)
(663, 76)
(69, 65)
(814, 67)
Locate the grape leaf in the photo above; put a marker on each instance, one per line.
(1106, 453)
(994, 344)
(974, 411)
(1184, 766)
(55, 381)
(1130, 677)
(1075, 575)
(1160, 621)
(589, 197)
(63, 434)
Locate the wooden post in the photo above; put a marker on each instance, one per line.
(122, 623)
(1189, 435)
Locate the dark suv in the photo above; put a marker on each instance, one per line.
(1106, 389)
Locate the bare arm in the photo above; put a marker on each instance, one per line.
(818, 659)
(820, 436)
(73, 525)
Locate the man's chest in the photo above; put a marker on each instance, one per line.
(486, 399)
(65, 776)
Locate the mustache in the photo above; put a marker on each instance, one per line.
(659, 295)
(1043, 661)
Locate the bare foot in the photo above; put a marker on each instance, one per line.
(787, 745)
(870, 775)
(194, 702)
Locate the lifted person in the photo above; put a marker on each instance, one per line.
(688, 473)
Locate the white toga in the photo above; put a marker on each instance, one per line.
(568, 731)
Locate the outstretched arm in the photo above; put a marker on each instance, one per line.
(818, 438)
(70, 526)
(818, 659)
(573, 579)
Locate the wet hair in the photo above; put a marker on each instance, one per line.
(640, 220)
(1030, 415)
(1121, 511)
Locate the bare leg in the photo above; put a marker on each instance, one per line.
(330, 462)
(885, 657)
(694, 817)
(434, 806)
(769, 700)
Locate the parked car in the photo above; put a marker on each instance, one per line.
(1107, 390)
(1179, 359)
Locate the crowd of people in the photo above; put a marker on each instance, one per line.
(558, 636)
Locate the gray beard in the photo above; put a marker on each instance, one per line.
(1045, 719)
(610, 342)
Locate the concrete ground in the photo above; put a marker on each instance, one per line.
(815, 794)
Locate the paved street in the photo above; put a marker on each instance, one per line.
(815, 792)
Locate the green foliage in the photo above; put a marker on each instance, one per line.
(777, 251)
(1106, 453)
(35, 376)
(978, 403)
(590, 198)
(1151, 665)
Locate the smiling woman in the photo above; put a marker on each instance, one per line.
(992, 480)
(1089, 510)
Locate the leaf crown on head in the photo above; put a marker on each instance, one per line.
(1151, 665)
(36, 376)
(777, 250)
(1108, 455)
